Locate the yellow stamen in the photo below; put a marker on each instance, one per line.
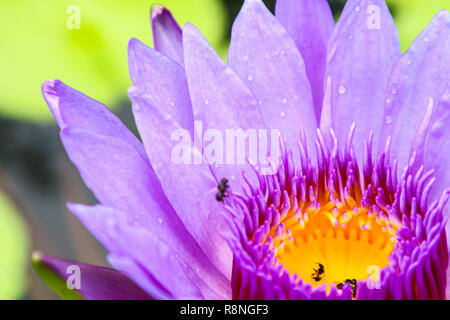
(347, 241)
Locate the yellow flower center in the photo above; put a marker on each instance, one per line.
(332, 243)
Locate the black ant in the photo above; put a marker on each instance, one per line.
(352, 282)
(318, 273)
(222, 187)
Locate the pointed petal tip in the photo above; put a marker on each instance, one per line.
(191, 34)
(45, 268)
(189, 27)
(167, 34)
(442, 16)
(254, 4)
(135, 93)
(157, 11)
(132, 42)
(133, 46)
(49, 86)
(96, 282)
(76, 209)
(444, 12)
(36, 256)
(79, 210)
(194, 37)
(72, 205)
(441, 19)
(50, 92)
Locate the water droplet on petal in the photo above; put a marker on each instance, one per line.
(388, 100)
(245, 58)
(409, 62)
(284, 101)
(250, 78)
(283, 114)
(426, 39)
(358, 8)
(388, 119)
(394, 91)
(206, 101)
(342, 89)
(172, 104)
(160, 220)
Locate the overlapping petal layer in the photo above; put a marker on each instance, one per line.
(362, 50)
(160, 219)
(310, 24)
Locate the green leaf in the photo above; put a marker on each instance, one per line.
(40, 41)
(411, 17)
(14, 251)
(53, 280)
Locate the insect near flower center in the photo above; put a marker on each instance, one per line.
(333, 243)
(332, 228)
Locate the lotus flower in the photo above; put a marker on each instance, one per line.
(356, 206)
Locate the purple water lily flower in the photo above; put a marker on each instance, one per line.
(355, 209)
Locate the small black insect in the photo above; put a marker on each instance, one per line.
(352, 282)
(318, 273)
(222, 187)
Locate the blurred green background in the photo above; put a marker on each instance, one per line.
(40, 41)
